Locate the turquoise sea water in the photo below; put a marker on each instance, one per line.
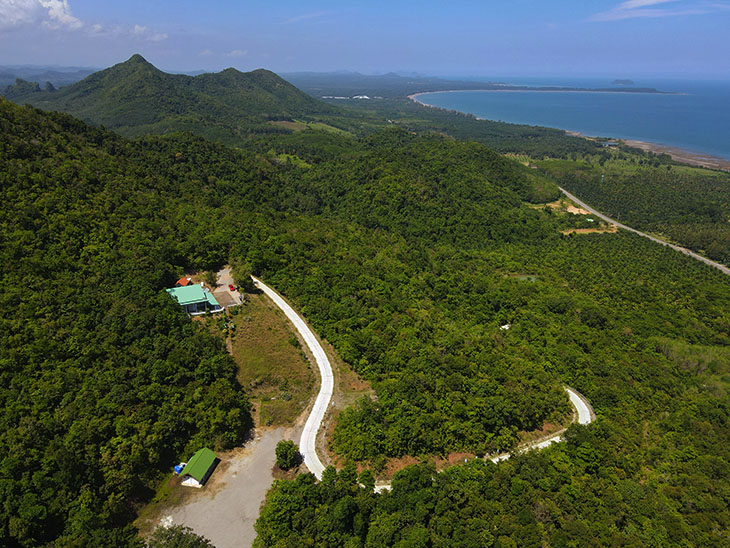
(697, 118)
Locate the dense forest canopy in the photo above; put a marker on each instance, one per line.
(406, 249)
(247, 109)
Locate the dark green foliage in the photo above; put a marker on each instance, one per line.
(177, 536)
(287, 454)
(104, 381)
(689, 206)
(535, 141)
(135, 99)
(405, 252)
(22, 88)
(651, 472)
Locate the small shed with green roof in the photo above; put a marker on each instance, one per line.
(199, 468)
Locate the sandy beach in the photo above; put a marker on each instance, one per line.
(678, 154)
(681, 155)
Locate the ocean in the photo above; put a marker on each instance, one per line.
(696, 119)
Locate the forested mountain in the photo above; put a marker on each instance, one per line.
(135, 98)
(406, 252)
(57, 76)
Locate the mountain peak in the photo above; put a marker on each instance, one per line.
(137, 59)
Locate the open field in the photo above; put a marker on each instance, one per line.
(273, 368)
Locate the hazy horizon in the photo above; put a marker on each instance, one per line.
(630, 39)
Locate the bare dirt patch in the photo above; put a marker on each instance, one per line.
(610, 229)
(563, 205)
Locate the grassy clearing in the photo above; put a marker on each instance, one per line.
(321, 126)
(169, 494)
(286, 124)
(273, 368)
(291, 158)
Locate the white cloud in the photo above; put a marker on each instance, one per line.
(59, 15)
(237, 53)
(205, 53)
(56, 15)
(145, 33)
(305, 16)
(632, 9)
(53, 14)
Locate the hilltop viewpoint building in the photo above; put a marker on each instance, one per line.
(194, 299)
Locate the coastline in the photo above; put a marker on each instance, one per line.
(678, 154)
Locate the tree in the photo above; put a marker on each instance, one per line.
(287, 454)
(241, 273)
(177, 536)
(210, 278)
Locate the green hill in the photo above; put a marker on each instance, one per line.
(135, 98)
(405, 252)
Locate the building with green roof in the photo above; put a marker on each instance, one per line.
(194, 299)
(199, 468)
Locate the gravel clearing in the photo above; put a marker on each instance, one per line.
(227, 508)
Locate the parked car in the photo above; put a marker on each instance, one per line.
(231, 287)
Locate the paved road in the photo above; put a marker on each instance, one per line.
(308, 441)
(307, 444)
(583, 415)
(720, 267)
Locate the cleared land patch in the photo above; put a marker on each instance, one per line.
(272, 367)
(287, 124)
(609, 229)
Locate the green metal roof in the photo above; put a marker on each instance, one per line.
(188, 295)
(211, 300)
(199, 464)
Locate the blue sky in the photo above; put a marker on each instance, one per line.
(632, 38)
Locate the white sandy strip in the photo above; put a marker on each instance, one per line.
(308, 441)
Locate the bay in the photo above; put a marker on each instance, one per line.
(694, 117)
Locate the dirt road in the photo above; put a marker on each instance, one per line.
(720, 267)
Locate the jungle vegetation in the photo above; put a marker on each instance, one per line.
(405, 249)
(690, 206)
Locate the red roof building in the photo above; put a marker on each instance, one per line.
(183, 282)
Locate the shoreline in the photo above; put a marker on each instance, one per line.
(678, 154)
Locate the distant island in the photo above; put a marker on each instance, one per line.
(620, 82)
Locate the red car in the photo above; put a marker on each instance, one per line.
(231, 288)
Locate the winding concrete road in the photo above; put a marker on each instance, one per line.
(720, 267)
(307, 443)
(308, 440)
(583, 415)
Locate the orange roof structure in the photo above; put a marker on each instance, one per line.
(183, 282)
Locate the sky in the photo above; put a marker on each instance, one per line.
(633, 38)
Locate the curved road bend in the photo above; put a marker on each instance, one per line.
(308, 441)
(720, 267)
